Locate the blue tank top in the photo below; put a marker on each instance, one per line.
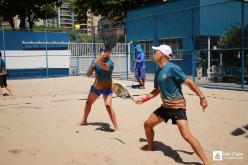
(104, 75)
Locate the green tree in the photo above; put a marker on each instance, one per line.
(231, 40)
(232, 37)
(116, 10)
(80, 8)
(31, 10)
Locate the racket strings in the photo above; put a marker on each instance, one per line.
(121, 92)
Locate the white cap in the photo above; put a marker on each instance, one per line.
(165, 49)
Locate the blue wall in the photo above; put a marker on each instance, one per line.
(13, 39)
(184, 19)
(216, 19)
(37, 73)
(160, 24)
(246, 15)
(147, 23)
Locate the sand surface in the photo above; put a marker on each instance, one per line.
(40, 126)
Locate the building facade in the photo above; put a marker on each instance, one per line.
(67, 19)
(191, 27)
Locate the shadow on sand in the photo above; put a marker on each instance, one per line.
(168, 151)
(102, 126)
(240, 131)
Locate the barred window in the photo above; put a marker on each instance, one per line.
(147, 48)
(176, 46)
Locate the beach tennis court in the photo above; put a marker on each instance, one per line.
(40, 125)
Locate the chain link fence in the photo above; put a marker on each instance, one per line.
(209, 41)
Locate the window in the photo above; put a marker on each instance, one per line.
(201, 42)
(176, 46)
(147, 48)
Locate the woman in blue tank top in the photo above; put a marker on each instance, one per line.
(103, 67)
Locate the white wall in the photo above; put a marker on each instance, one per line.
(27, 59)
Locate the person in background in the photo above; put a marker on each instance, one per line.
(3, 77)
(139, 67)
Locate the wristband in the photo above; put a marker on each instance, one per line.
(202, 98)
(145, 98)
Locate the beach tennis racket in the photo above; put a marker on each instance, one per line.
(121, 91)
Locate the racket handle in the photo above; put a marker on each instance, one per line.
(133, 99)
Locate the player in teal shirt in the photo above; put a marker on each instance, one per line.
(103, 67)
(168, 80)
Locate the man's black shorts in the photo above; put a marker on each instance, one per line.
(3, 80)
(173, 114)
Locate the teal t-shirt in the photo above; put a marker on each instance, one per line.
(103, 75)
(169, 80)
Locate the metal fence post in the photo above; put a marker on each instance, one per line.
(193, 45)
(94, 41)
(47, 74)
(242, 45)
(126, 47)
(76, 30)
(69, 56)
(77, 51)
(4, 55)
